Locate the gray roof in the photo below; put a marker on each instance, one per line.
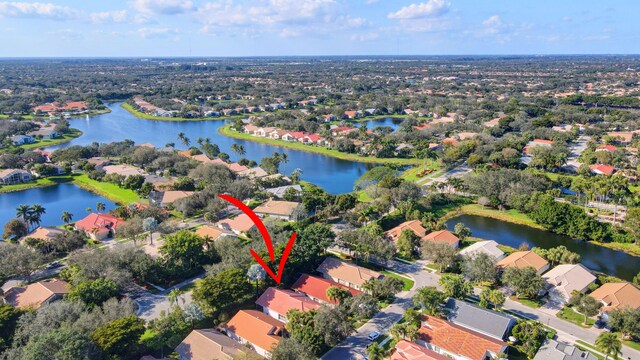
(484, 321)
(553, 350)
(279, 191)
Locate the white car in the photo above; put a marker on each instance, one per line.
(373, 336)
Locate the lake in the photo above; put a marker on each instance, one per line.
(333, 175)
(598, 258)
(55, 199)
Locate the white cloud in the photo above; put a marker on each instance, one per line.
(37, 10)
(164, 7)
(365, 37)
(288, 32)
(119, 16)
(430, 9)
(492, 25)
(66, 34)
(150, 33)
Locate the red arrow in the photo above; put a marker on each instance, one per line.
(266, 237)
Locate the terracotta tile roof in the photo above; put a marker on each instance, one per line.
(406, 350)
(542, 141)
(282, 301)
(350, 113)
(170, 196)
(257, 328)
(251, 128)
(343, 270)
(413, 225)
(626, 136)
(208, 231)
(235, 167)
(609, 148)
(241, 223)
(442, 236)
(147, 145)
(618, 295)
(297, 134)
(604, 169)
(276, 207)
(316, 287)
(44, 233)
(256, 172)
(458, 340)
(522, 259)
(99, 223)
(210, 344)
(35, 295)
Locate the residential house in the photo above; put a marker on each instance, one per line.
(456, 341)
(166, 198)
(44, 233)
(99, 162)
(482, 320)
(342, 130)
(253, 173)
(600, 169)
(250, 129)
(444, 236)
(277, 208)
(22, 139)
(44, 133)
(617, 295)
(422, 126)
(277, 302)
(277, 133)
(211, 233)
(99, 226)
(346, 273)
(316, 288)
(313, 139)
(37, 294)
(14, 176)
(554, 350)
(413, 225)
(564, 279)
(264, 132)
(489, 247)
(259, 331)
(607, 148)
(406, 350)
(622, 137)
(350, 114)
(123, 170)
(236, 168)
(537, 142)
(281, 190)
(522, 259)
(238, 225)
(293, 136)
(328, 117)
(205, 344)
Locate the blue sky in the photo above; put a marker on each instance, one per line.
(98, 28)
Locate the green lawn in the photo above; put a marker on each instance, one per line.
(585, 346)
(513, 216)
(632, 344)
(408, 283)
(412, 173)
(364, 197)
(532, 303)
(49, 142)
(110, 191)
(226, 130)
(570, 315)
(53, 180)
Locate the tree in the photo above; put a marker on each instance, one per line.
(362, 306)
(66, 217)
(8, 321)
(408, 244)
(462, 231)
(23, 212)
(383, 289)
(120, 336)
(93, 292)
(558, 255)
(497, 298)
(18, 260)
(61, 343)
(238, 149)
(524, 281)
(174, 295)
(183, 251)
(150, 224)
(632, 223)
(609, 344)
(455, 286)
(338, 294)
(585, 304)
(626, 321)
(440, 253)
(429, 298)
(376, 352)
(530, 334)
(479, 267)
(35, 216)
(256, 273)
(220, 292)
(14, 229)
(292, 348)
(100, 207)
(333, 324)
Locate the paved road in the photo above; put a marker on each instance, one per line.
(457, 172)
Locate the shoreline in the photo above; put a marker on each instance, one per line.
(226, 131)
(66, 138)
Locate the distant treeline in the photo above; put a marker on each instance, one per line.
(622, 101)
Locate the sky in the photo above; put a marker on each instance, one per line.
(167, 28)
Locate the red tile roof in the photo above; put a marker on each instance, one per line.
(442, 236)
(609, 148)
(406, 350)
(257, 328)
(99, 223)
(605, 169)
(458, 340)
(413, 225)
(281, 301)
(316, 287)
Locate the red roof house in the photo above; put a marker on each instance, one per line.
(316, 288)
(277, 302)
(602, 169)
(99, 226)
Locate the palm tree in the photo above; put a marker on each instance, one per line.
(200, 141)
(284, 159)
(100, 207)
(295, 175)
(376, 352)
(89, 210)
(36, 214)
(609, 344)
(185, 140)
(174, 295)
(398, 331)
(238, 149)
(66, 217)
(23, 212)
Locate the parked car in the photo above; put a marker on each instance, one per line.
(373, 336)
(53, 265)
(599, 324)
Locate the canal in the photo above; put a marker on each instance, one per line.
(598, 258)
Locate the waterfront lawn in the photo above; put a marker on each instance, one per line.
(412, 173)
(53, 180)
(571, 315)
(110, 191)
(363, 196)
(226, 130)
(513, 216)
(74, 133)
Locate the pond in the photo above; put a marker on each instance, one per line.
(393, 123)
(598, 258)
(333, 175)
(55, 199)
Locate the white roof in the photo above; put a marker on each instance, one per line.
(488, 247)
(568, 278)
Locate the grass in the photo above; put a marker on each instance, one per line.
(75, 133)
(532, 303)
(571, 315)
(629, 248)
(408, 283)
(512, 216)
(53, 180)
(364, 197)
(142, 115)
(226, 130)
(585, 346)
(110, 191)
(632, 344)
(412, 173)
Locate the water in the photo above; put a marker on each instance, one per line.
(390, 122)
(598, 258)
(55, 199)
(333, 175)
